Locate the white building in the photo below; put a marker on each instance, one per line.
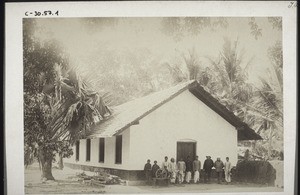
(177, 122)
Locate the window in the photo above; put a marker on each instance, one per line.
(101, 149)
(118, 149)
(88, 149)
(77, 150)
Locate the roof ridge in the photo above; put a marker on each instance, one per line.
(131, 112)
(157, 92)
(170, 93)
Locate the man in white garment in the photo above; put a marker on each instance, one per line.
(196, 169)
(181, 170)
(166, 165)
(227, 170)
(173, 170)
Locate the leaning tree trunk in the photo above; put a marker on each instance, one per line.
(46, 164)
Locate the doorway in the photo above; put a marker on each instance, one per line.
(185, 149)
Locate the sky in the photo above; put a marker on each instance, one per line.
(83, 41)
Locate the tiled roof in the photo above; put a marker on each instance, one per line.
(127, 114)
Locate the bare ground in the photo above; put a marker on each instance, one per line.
(66, 183)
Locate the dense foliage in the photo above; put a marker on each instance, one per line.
(59, 106)
(261, 172)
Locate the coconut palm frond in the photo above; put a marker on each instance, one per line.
(59, 127)
(268, 97)
(219, 71)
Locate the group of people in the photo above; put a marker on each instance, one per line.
(185, 171)
(219, 166)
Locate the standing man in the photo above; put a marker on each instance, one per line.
(219, 169)
(207, 166)
(147, 169)
(173, 170)
(227, 170)
(189, 169)
(196, 169)
(181, 170)
(155, 167)
(166, 165)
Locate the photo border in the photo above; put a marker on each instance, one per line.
(14, 12)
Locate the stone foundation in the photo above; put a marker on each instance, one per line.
(133, 175)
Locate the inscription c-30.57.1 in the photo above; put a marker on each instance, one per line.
(42, 13)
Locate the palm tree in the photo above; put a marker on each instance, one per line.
(193, 64)
(74, 108)
(194, 69)
(59, 106)
(229, 78)
(268, 100)
(259, 106)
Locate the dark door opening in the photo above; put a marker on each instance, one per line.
(185, 149)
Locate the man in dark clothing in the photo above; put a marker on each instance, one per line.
(219, 169)
(189, 169)
(155, 167)
(207, 166)
(147, 169)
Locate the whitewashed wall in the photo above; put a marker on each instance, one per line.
(109, 158)
(184, 117)
(156, 136)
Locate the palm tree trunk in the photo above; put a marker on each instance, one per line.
(58, 99)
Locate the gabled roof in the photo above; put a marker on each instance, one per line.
(127, 114)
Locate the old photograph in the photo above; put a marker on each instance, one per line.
(150, 103)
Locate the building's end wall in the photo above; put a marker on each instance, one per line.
(184, 117)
